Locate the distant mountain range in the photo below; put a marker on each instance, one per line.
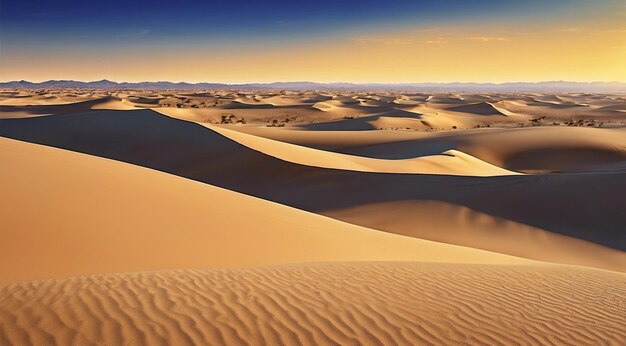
(553, 86)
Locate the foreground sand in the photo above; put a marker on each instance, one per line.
(323, 304)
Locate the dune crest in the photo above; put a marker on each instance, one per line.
(589, 204)
(117, 217)
(451, 162)
(51, 108)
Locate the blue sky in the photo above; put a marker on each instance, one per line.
(51, 22)
(131, 39)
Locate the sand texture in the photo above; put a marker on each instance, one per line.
(323, 304)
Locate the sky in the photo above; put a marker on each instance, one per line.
(399, 41)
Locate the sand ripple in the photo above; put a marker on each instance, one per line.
(323, 304)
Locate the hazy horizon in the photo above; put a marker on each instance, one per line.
(309, 81)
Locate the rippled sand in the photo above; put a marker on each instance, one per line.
(323, 304)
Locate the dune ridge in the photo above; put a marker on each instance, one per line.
(117, 217)
(46, 108)
(531, 150)
(589, 204)
(451, 162)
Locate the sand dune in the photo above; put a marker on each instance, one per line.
(532, 150)
(104, 216)
(451, 162)
(42, 99)
(247, 104)
(336, 141)
(263, 116)
(481, 108)
(284, 225)
(445, 99)
(24, 111)
(378, 118)
(439, 111)
(538, 149)
(562, 111)
(340, 110)
(287, 100)
(589, 205)
(444, 222)
(323, 304)
(464, 116)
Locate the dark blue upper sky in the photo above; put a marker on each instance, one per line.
(69, 20)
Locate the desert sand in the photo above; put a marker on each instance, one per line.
(163, 221)
(313, 217)
(323, 304)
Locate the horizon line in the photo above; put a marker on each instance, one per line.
(315, 82)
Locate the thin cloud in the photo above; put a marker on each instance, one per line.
(570, 29)
(486, 39)
(437, 40)
(135, 33)
(384, 40)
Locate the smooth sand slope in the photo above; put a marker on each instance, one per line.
(585, 207)
(49, 108)
(531, 149)
(323, 304)
(66, 214)
(444, 222)
(451, 162)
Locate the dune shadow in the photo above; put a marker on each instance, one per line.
(586, 206)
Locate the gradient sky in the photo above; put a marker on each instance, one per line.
(325, 41)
